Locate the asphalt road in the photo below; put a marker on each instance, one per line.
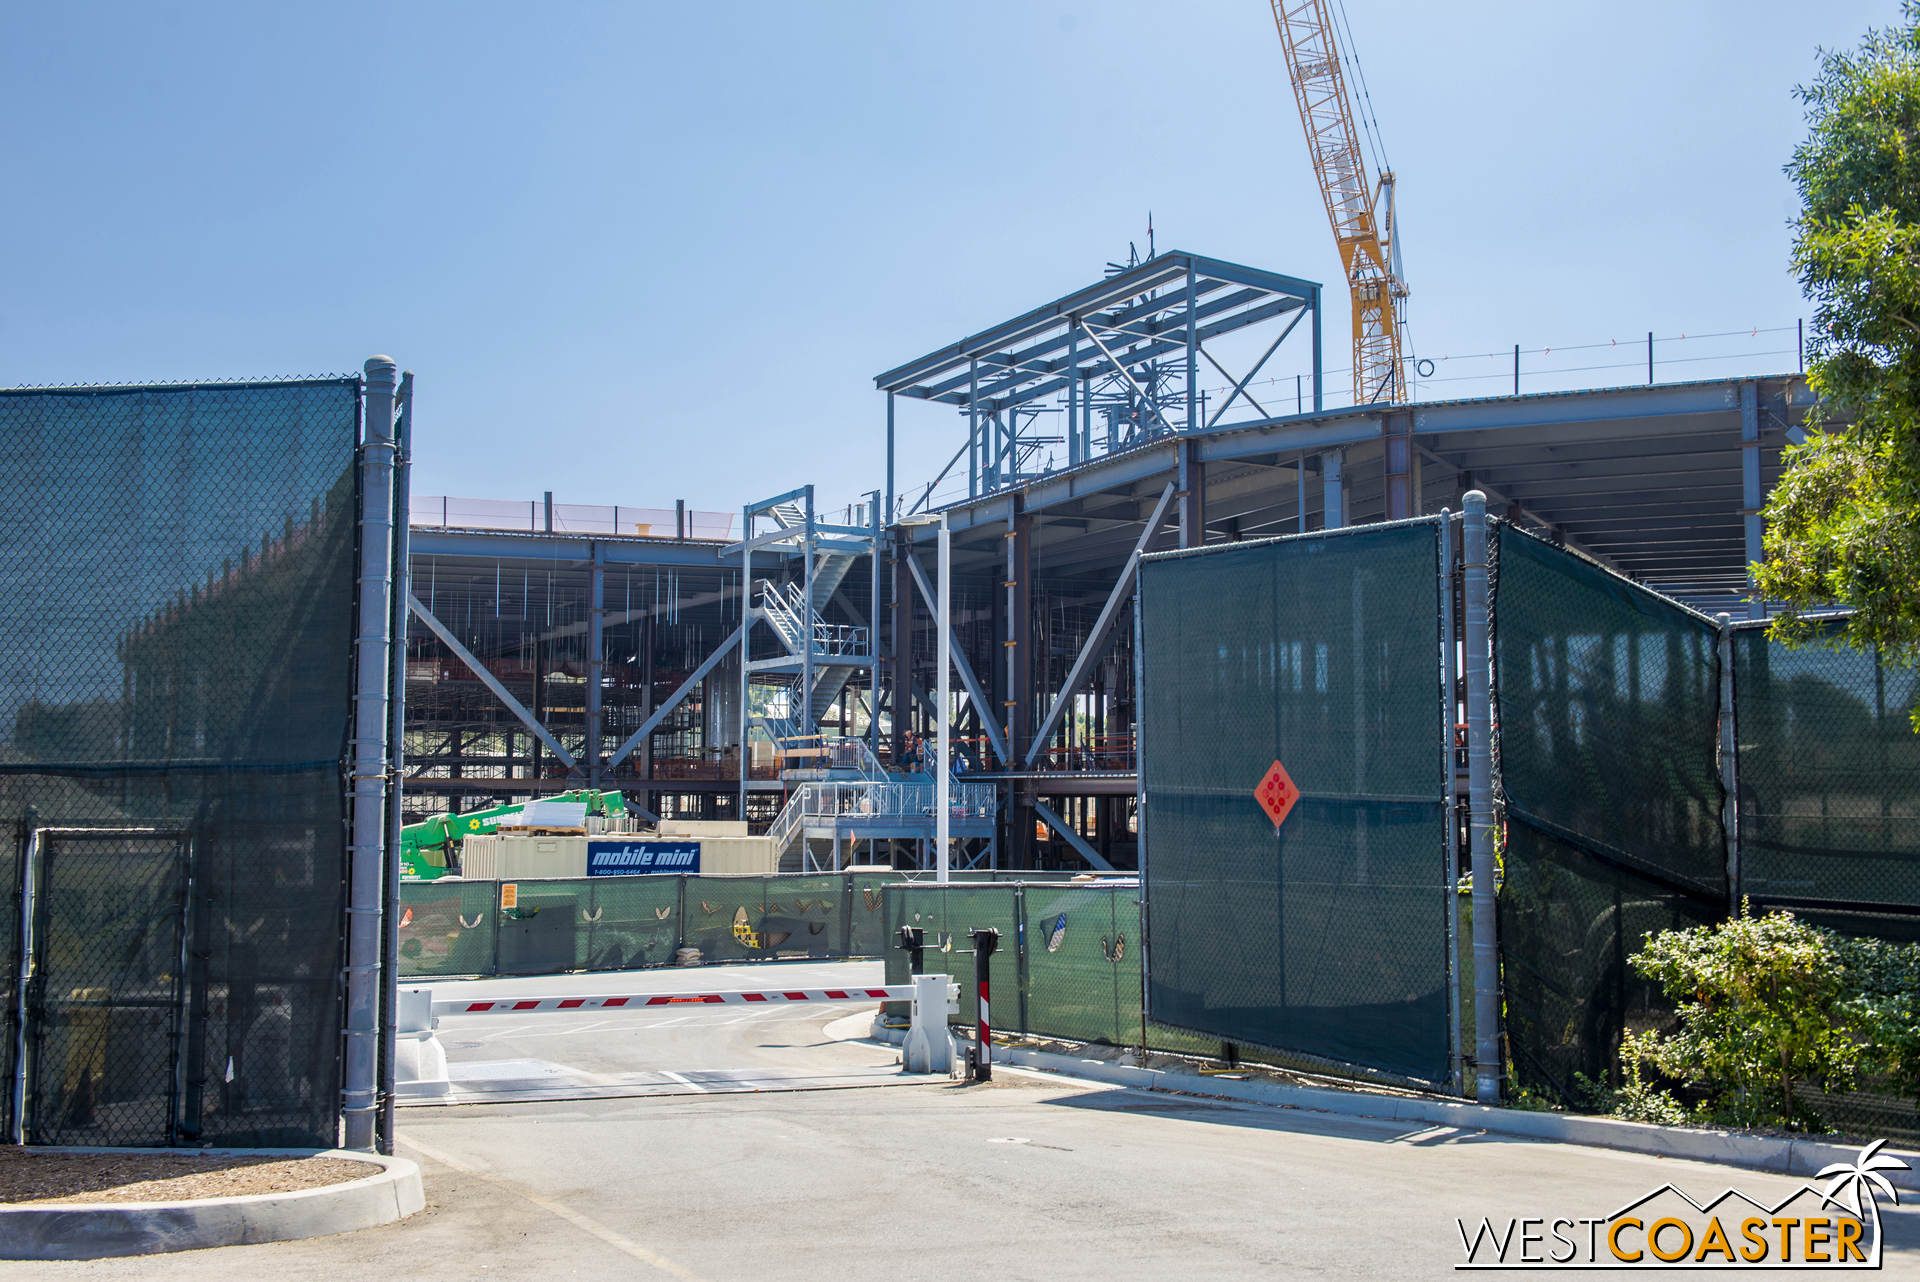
(1029, 1177)
(673, 1050)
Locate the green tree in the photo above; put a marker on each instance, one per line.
(1843, 524)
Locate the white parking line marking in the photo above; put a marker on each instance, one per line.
(695, 1086)
(560, 1209)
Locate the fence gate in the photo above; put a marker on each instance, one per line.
(103, 950)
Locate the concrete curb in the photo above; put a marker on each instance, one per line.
(101, 1230)
(1782, 1156)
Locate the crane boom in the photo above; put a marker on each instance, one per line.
(1353, 206)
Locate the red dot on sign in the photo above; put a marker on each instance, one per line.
(1276, 794)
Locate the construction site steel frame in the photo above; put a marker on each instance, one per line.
(1122, 355)
(667, 665)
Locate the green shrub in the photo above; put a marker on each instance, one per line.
(1764, 1002)
(1882, 981)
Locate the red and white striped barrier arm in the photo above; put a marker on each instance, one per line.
(650, 1001)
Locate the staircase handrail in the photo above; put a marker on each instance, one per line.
(785, 608)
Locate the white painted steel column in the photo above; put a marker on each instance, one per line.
(367, 851)
(1333, 490)
(943, 774)
(1486, 944)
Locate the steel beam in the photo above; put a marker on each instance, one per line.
(491, 682)
(1074, 839)
(674, 700)
(1102, 631)
(965, 669)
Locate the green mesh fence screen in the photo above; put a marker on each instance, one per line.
(1608, 698)
(448, 927)
(176, 655)
(1068, 964)
(1082, 963)
(1568, 923)
(630, 922)
(623, 923)
(1829, 770)
(1328, 937)
(1607, 702)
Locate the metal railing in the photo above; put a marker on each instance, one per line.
(860, 801)
(785, 608)
(568, 518)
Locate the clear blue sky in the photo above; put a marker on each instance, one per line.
(639, 252)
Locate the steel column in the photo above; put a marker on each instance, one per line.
(1020, 671)
(1333, 489)
(1075, 454)
(746, 646)
(873, 633)
(596, 660)
(806, 637)
(1193, 354)
(1318, 392)
(943, 767)
(900, 615)
(1191, 477)
(973, 429)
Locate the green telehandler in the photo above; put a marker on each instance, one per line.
(428, 850)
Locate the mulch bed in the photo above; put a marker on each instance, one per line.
(29, 1176)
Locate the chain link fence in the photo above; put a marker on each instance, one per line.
(176, 658)
(1609, 702)
(452, 927)
(1829, 774)
(1325, 937)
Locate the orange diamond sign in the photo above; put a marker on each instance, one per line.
(1276, 794)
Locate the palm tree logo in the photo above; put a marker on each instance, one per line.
(1863, 1173)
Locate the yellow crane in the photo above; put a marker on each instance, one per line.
(1362, 214)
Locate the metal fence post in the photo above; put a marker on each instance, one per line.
(1022, 976)
(367, 867)
(1486, 944)
(1729, 763)
(396, 759)
(1456, 1065)
(23, 973)
(1140, 814)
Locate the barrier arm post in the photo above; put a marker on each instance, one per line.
(985, 942)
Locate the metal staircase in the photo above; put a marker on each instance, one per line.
(866, 809)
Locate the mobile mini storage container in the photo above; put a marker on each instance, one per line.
(717, 854)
